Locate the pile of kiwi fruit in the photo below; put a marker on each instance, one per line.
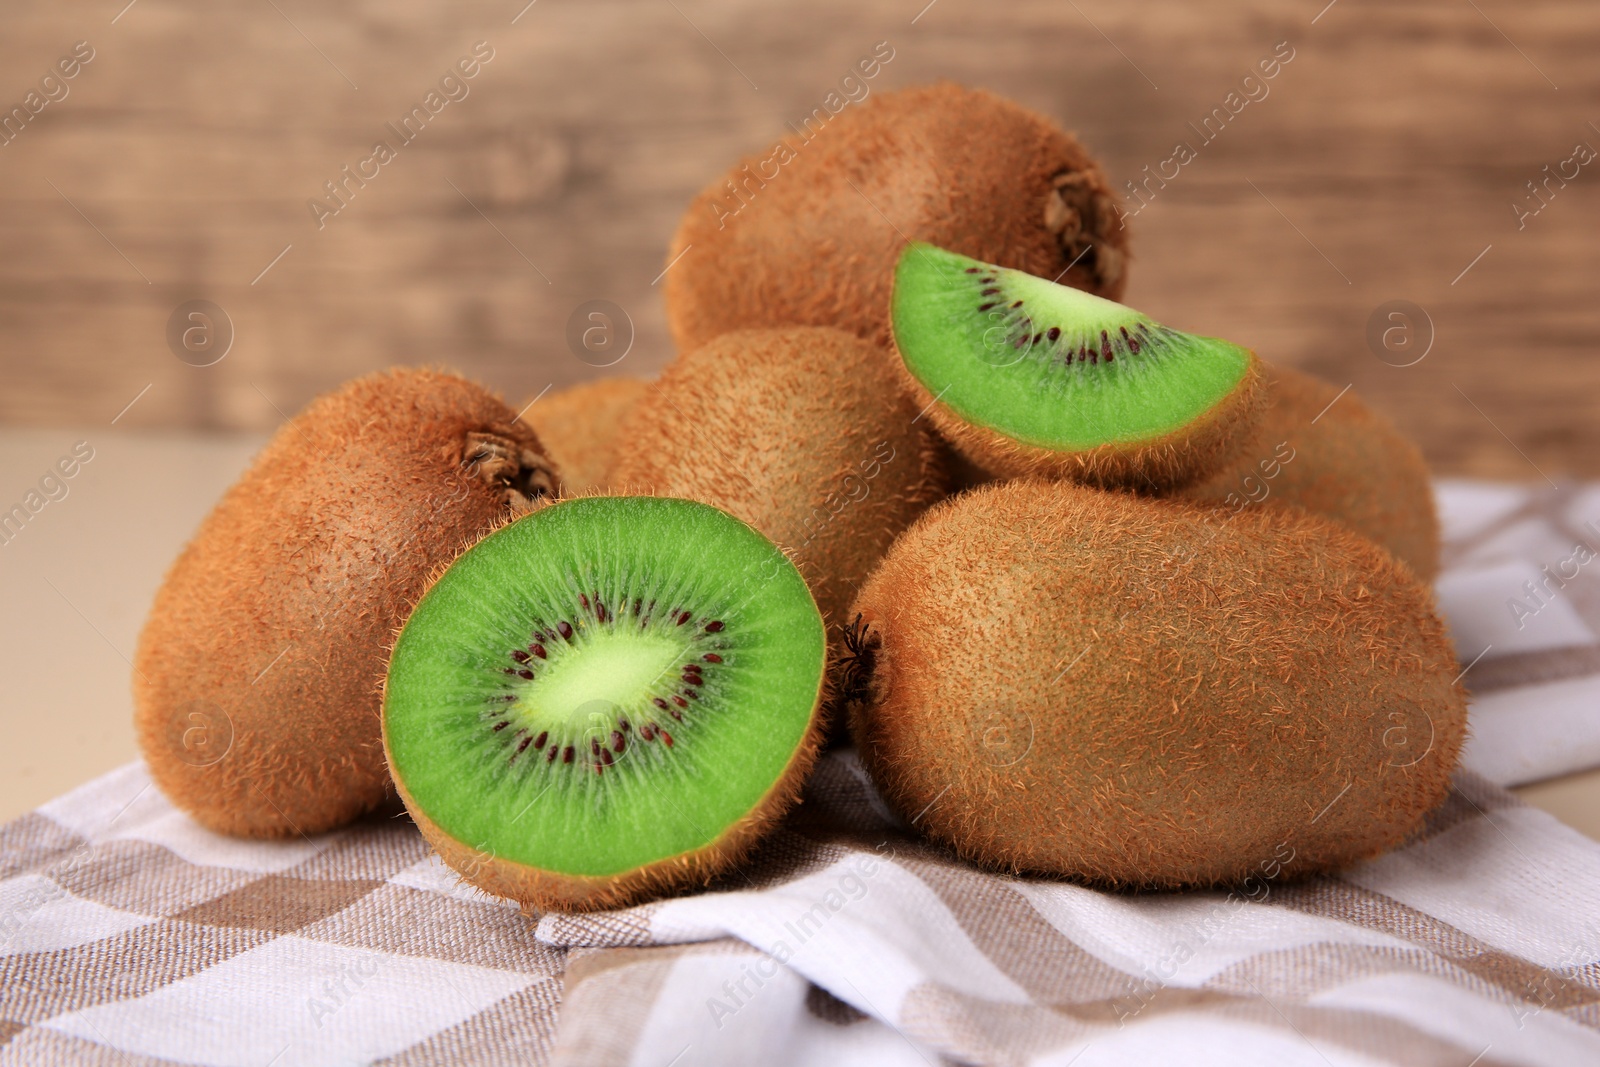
(1092, 597)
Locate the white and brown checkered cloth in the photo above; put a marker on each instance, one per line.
(130, 936)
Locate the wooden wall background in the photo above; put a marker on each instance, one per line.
(1384, 161)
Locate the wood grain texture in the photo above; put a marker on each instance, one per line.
(1385, 158)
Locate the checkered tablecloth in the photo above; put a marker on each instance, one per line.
(128, 935)
(1521, 590)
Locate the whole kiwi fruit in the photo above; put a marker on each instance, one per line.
(257, 676)
(807, 232)
(607, 699)
(802, 432)
(580, 426)
(1323, 449)
(1134, 692)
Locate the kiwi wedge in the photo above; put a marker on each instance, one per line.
(1138, 692)
(257, 673)
(1029, 378)
(608, 698)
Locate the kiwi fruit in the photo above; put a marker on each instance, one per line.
(580, 426)
(257, 675)
(807, 232)
(608, 698)
(1323, 449)
(802, 432)
(1027, 378)
(1131, 691)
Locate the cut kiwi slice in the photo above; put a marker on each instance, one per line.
(1027, 377)
(608, 698)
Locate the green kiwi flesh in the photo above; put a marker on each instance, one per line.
(1049, 367)
(609, 697)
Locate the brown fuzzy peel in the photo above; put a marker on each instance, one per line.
(801, 432)
(815, 243)
(581, 427)
(272, 623)
(1133, 692)
(1323, 449)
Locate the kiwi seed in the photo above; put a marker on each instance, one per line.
(275, 619)
(609, 698)
(1133, 692)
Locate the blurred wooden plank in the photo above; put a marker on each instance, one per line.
(1392, 145)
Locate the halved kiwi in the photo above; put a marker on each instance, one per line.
(1027, 377)
(612, 697)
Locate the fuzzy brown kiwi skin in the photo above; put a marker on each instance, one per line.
(816, 244)
(581, 426)
(278, 613)
(779, 427)
(539, 890)
(1243, 708)
(1348, 463)
(1155, 465)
